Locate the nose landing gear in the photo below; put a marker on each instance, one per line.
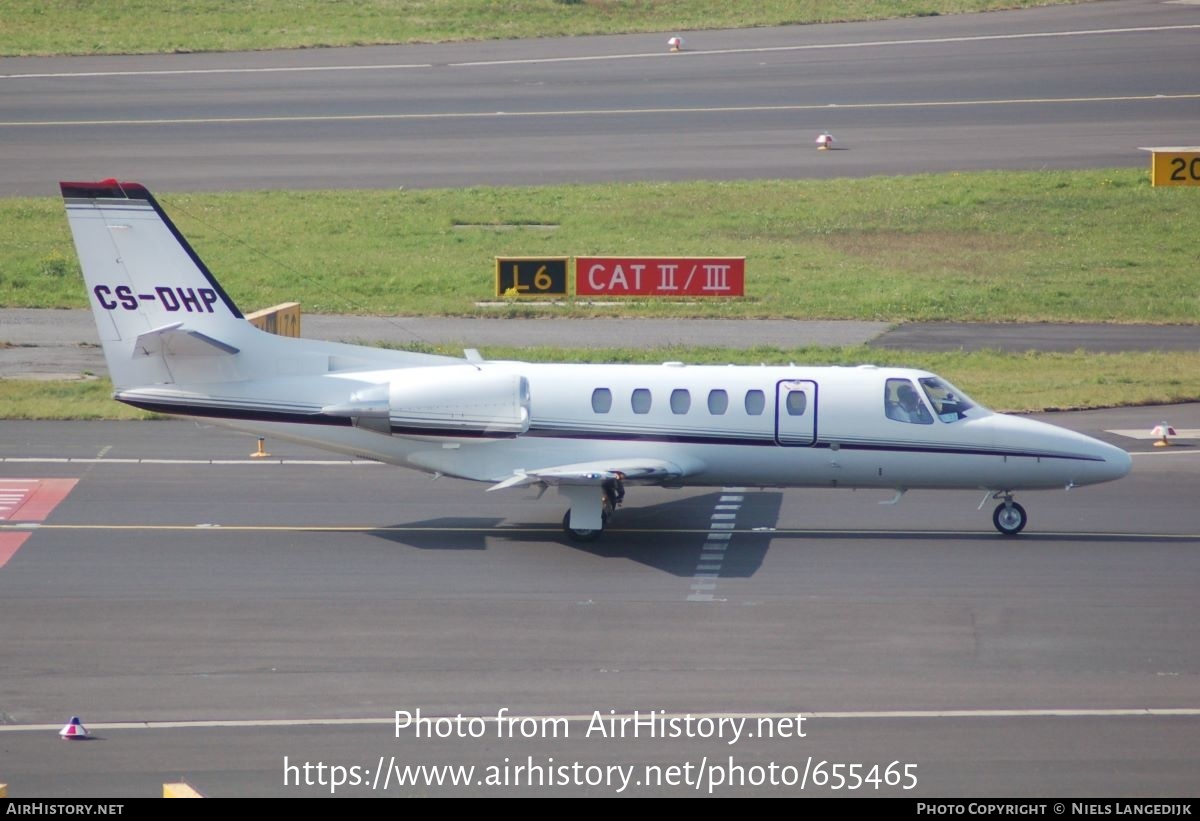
(1009, 517)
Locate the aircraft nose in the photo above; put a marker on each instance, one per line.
(1117, 461)
(1088, 460)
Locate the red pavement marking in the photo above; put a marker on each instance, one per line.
(35, 499)
(9, 542)
(40, 497)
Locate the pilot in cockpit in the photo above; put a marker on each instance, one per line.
(908, 407)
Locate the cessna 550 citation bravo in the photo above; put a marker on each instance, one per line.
(175, 343)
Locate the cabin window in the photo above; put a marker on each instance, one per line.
(755, 402)
(681, 401)
(796, 403)
(601, 400)
(718, 402)
(902, 403)
(640, 401)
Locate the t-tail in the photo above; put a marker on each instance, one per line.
(176, 343)
(156, 304)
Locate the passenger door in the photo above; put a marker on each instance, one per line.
(796, 412)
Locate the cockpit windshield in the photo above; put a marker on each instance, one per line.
(949, 403)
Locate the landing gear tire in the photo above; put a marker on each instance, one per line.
(1010, 518)
(586, 535)
(581, 535)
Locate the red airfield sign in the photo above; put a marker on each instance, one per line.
(660, 276)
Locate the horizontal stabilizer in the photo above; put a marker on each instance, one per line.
(177, 340)
(640, 471)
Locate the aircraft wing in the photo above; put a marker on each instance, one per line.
(638, 471)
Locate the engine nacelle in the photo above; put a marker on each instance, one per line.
(455, 400)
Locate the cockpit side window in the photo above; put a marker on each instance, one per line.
(902, 403)
(949, 403)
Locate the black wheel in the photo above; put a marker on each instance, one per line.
(1010, 518)
(579, 535)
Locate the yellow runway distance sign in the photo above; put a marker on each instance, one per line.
(1174, 165)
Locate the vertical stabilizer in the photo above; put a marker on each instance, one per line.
(152, 296)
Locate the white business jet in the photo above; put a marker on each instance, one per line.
(175, 343)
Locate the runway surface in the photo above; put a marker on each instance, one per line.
(211, 588)
(1064, 87)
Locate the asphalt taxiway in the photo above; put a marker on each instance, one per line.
(209, 614)
(63, 343)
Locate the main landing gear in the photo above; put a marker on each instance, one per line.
(590, 511)
(1009, 517)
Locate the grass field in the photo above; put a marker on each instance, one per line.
(82, 399)
(1002, 381)
(997, 246)
(29, 27)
